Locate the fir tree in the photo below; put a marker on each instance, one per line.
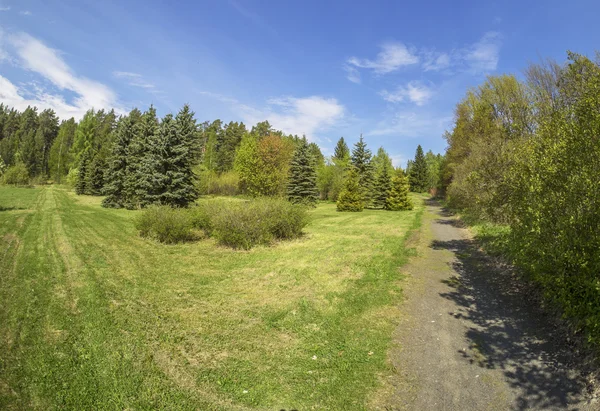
(418, 177)
(341, 152)
(398, 197)
(81, 183)
(117, 165)
(95, 175)
(361, 160)
(351, 197)
(139, 166)
(383, 186)
(302, 184)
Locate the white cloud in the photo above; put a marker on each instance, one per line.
(134, 79)
(484, 55)
(412, 124)
(4, 8)
(25, 13)
(352, 74)
(292, 115)
(414, 91)
(434, 61)
(390, 58)
(35, 56)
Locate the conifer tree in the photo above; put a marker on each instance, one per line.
(418, 177)
(139, 166)
(398, 197)
(383, 186)
(341, 152)
(302, 184)
(95, 175)
(116, 175)
(351, 197)
(361, 160)
(81, 183)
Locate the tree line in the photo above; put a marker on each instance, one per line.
(137, 159)
(526, 154)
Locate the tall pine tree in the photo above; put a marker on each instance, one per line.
(418, 177)
(341, 152)
(361, 160)
(84, 163)
(302, 184)
(383, 185)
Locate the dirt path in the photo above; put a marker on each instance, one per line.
(470, 340)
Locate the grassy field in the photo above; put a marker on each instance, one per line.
(94, 317)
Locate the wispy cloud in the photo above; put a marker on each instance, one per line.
(4, 8)
(292, 115)
(414, 91)
(391, 57)
(352, 74)
(484, 55)
(412, 124)
(33, 55)
(134, 79)
(25, 13)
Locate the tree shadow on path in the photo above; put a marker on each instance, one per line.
(508, 330)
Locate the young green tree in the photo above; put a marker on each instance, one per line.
(383, 185)
(94, 178)
(246, 163)
(302, 184)
(398, 199)
(361, 160)
(228, 140)
(418, 177)
(84, 136)
(351, 197)
(60, 161)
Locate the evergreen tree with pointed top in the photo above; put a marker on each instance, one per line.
(95, 175)
(81, 183)
(351, 197)
(418, 177)
(361, 160)
(398, 199)
(116, 175)
(383, 186)
(139, 164)
(341, 152)
(302, 184)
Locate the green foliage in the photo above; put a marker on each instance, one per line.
(341, 151)
(166, 224)
(212, 183)
(398, 198)
(383, 185)
(60, 160)
(82, 172)
(94, 179)
(302, 184)
(116, 175)
(361, 161)
(351, 198)
(16, 175)
(418, 176)
(243, 225)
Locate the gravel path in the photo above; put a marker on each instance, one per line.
(470, 339)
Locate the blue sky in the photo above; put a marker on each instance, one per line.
(392, 70)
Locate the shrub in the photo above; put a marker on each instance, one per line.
(16, 175)
(242, 225)
(165, 224)
(225, 184)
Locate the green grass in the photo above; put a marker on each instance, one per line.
(94, 317)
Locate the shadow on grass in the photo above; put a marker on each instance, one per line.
(10, 208)
(508, 330)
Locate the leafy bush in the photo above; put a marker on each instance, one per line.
(242, 225)
(16, 175)
(212, 183)
(167, 225)
(72, 177)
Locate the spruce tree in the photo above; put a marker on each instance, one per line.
(139, 167)
(418, 177)
(341, 152)
(361, 160)
(81, 183)
(398, 199)
(302, 184)
(95, 175)
(383, 186)
(351, 197)
(116, 175)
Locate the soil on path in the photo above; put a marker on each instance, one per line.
(471, 339)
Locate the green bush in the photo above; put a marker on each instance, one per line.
(167, 225)
(212, 183)
(16, 175)
(242, 225)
